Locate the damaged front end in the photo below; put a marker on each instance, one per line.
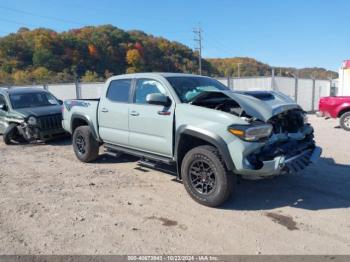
(275, 137)
(41, 128)
(290, 148)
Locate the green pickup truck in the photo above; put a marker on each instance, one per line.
(29, 114)
(208, 132)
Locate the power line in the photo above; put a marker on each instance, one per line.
(198, 39)
(41, 16)
(15, 22)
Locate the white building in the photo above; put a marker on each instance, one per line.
(344, 79)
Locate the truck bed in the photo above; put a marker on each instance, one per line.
(84, 109)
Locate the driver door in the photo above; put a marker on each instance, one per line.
(151, 126)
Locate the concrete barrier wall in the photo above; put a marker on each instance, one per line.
(308, 91)
(251, 83)
(285, 85)
(63, 91)
(91, 90)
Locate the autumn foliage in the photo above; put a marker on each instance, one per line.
(96, 53)
(88, 53)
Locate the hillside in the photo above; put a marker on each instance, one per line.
(94, 53)
(252, 67)
(89, 53)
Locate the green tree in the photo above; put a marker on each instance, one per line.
(90, 76)
(42, 75)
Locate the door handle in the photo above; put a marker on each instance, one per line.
(104, 110)
(134, 113)
(164, 113)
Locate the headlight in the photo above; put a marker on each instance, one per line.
(251, 133)
(32, 121)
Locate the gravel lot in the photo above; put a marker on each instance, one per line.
(50, 203)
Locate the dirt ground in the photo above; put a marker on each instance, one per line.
(50, 203)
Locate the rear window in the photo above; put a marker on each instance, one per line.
(119, 90)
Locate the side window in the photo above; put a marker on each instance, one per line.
(145, 87)
(119, 90)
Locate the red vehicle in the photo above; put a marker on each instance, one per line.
(336, 107)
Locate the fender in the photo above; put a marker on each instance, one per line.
(208, 136)
(341, 107)
(87, 120)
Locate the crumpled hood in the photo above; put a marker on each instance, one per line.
(40, 111)
(263, 109)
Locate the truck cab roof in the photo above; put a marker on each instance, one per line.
(153, 74)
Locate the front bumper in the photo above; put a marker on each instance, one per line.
(282, 164)
(283, 153)
(33, 133)
(45, 135)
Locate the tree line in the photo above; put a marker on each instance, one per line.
(94, 53)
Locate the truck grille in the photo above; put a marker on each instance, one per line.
(50, 122)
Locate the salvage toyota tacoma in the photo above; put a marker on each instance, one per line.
(29, 114)
(208, 132)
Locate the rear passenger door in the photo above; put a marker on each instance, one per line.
(151, 126)
(113, 112)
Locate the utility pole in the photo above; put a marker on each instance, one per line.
(239, 70)
(198, 39)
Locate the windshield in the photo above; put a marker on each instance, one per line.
(32, 100)
(187, 88)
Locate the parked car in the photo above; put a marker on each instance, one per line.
(210, 133)
(336, 107)
(29, 114)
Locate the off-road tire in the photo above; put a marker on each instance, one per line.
(224, 181)
(9, 134)
(345, 121)
(88, 151)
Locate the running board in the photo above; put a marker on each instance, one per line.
(158, 166)
(112, 149)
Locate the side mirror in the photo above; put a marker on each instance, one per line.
(60, 102)
(158, 99)
(3, 107)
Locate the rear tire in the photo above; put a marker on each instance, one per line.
(205, 177)
(85, 145)
(345, 121)
(9, 134)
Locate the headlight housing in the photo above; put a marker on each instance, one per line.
(32, 121)
(251, 133)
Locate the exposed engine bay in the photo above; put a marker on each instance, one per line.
(289, 121)
(219, 101)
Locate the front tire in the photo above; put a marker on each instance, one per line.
(85, 145)
(345, 121)
(9, 134)
(205, 177)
